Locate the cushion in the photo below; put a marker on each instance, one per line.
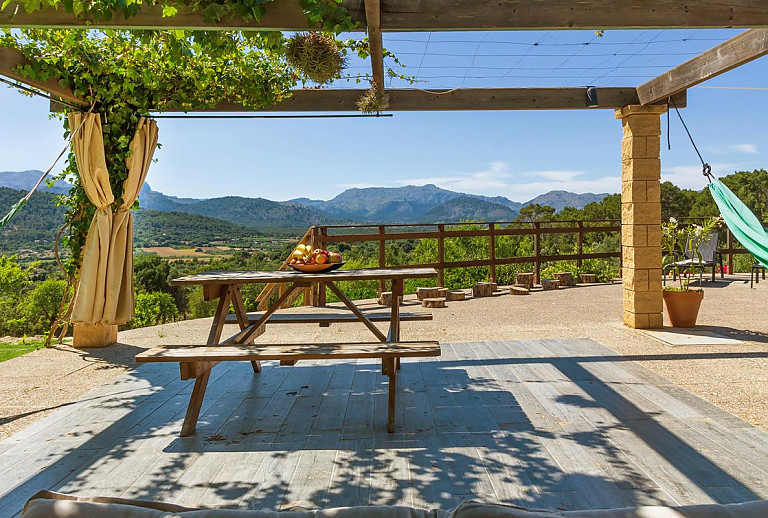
(756, 509)
(47, 504)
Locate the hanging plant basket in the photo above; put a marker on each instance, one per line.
(373, 101)
(316, 56)
(683, 307)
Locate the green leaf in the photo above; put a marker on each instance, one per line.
(169, 10)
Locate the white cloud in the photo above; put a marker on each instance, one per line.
(556, 176)
(495, 178)
(745, 149)
(498, 180)
(691, 177)
(749, 149)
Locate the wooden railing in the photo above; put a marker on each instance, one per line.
(322, 236)
(325, 235)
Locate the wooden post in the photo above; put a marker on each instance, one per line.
(321, 285)
(441, 255)
(537, 253)
(382, 257)
(315, 290)
(729, 238)
(492, 251)
(580, 243)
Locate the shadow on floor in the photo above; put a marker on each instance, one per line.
(560, 428)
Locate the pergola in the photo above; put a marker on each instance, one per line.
(639, 108)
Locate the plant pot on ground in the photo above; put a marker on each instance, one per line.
(683, 306)
(681, 241)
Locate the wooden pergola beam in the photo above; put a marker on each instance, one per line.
(730, 54)
(439, 15)
(11, 59)
(476, 99)
(375, 44)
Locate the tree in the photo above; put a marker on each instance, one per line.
(675, 202)
(41, 305)
(536, 212)
(13, 281)
(150, 274)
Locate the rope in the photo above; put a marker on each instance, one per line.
(19, 204)
(706, 169)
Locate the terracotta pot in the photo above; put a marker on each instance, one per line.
(683, 307)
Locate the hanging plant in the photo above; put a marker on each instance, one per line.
(316, 55)
(374, 100)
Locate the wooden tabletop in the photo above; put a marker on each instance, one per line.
(288, 276)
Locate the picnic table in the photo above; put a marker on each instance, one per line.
(196, 361)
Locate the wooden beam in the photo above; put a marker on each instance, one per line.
(375, 44)
(11, 59)
(730, 54)
(437, 15)
(474, 99)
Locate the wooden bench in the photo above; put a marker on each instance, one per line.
(196, 361)
(327, 318)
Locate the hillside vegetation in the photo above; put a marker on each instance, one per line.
(29, 293)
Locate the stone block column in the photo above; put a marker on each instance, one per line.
(91, 336)
(641, 215)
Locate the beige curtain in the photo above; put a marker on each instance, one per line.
(88, 147)
(105, 294)
(119, 301)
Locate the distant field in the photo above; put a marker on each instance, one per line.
(178, 253)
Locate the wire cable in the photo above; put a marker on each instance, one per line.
(32, 91)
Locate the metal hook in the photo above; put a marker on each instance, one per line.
(707, 171)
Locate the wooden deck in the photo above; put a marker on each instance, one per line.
(540, 423)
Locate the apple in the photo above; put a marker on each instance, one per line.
(334, 257)
(321, 258)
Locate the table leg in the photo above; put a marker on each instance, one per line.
(394, 321)
(245, 335)
(392, 373)
(225, 296)
(242, 320)
(195, 403)
(359, 314)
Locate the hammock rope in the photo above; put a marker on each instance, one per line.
(742, 222)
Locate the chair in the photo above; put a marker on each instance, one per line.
(754, 274)
(710, 258)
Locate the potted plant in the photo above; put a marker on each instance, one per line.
(681, 301)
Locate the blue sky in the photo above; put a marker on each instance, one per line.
(517, 154)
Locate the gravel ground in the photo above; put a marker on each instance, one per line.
(734, 377)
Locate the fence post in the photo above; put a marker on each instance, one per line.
(492, 250)
(580, 243)
(321, 285)
(537, 253)
(730, 250)
(440, 255)
(382, 257)
(309, 292)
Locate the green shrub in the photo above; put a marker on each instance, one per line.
(199, 308)
(153, 309)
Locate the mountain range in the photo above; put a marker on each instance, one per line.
(408, 204)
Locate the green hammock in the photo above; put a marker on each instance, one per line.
(744, 225)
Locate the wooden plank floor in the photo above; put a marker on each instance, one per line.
(540, 423)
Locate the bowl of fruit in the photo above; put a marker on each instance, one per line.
(314, 260)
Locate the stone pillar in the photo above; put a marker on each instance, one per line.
(88, 335)
(641, 215)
